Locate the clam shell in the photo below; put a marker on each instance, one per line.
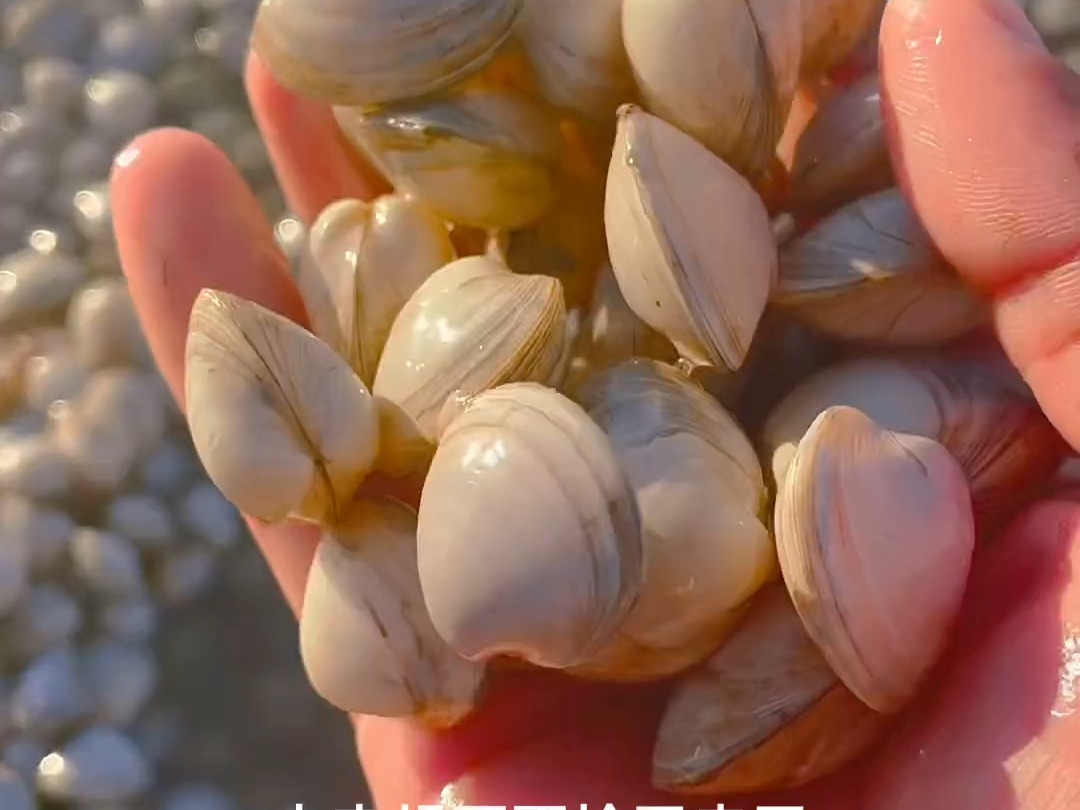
(472, 325)
(723, 72)
(364, 52)
(998, 434)
(875, 534)
(366, 639)
(365, 261)
(529, 536)
(701, 495)
(483, 159)
(691, 242)
(765, 712)
(870, 273)
(282, 424)
(842, 154)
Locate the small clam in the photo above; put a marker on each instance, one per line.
(999, 436)
(529, 536)
(723, 72)
(833, 29)
(366, 639)
(367, 52)
(870, 273)
(118, 418)
(765, 712)
(875, 534)
(36, 285)
(578, 54)
(472, 325)
(842, 154)
(701, 494)
(487, 159)
(691, 242)
(366, 260)
(104, 326)
(281, 423)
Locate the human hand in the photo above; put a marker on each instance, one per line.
(985, 135)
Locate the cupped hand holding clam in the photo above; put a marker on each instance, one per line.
(540, 737)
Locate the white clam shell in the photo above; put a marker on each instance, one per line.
(528, 533)
(723, 72)
(365, 262)
(691, 242)
(281, 423)
(376, 51)
(998, 435)
(484, 159)
(366, 639)
(870, 273)
(576, 50)
(875, 534)
(700, 490)
(842, 154)
(765, 712)
(473, 325)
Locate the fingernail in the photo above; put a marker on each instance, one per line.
(1011, 18)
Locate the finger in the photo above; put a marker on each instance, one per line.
(314, 164)
(545, 739)
(185, 220)
(984, 128)
(1002, 730)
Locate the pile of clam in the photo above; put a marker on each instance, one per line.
(106, 518)
(633, 376)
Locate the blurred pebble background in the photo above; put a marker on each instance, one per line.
(146, 660)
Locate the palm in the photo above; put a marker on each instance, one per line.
(967, 99)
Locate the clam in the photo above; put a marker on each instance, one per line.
(576, 50)
(724, 73)
(875, 534)
(833, 29)
(765, 712)
(370, 52)
(870, 273)
(472, 325)
(701, 495)
(281, 423)
(529, 536)
(487, 158)
(117, 419)
(36, 286)
(366, 260)
(998, 435)
(842, 154)
(691, 244)
(366, 639)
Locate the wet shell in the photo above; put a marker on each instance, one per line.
(364, 52)
(765, 712)
(723, 72)
(473, 325)
(691, 242)
(870, 273)
(366, 640)
(529, 535)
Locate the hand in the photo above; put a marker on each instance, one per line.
(985, 134)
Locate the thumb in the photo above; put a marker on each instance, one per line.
(984, 128)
